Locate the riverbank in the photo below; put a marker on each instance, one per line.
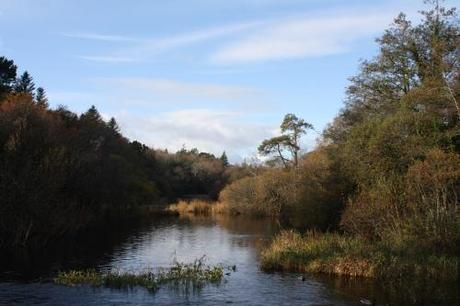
(338, 254)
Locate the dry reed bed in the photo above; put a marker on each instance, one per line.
(344, 255)
(198, 207)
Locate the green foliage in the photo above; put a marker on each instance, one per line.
(410, 56)
(292, 128)
(40, 97)
(25, 84)
(187, 276)
(7, 75)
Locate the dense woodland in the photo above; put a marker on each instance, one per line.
(61, 172)
(386, 169)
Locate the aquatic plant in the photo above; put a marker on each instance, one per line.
(187, 276)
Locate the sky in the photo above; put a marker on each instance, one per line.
(209, 74)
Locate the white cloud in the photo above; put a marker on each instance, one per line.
(142, 49)
(311, 34)
(101, 37)
(208, 130)
(166, 88)
(302, 37)
(108, 59)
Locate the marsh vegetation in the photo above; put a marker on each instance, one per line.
(181, 276)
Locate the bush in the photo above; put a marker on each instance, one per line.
(309, 196)
(433, 202)
(268, 194)
(412, 212)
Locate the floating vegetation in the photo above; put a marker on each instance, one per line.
(182, 276)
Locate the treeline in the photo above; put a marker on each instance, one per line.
(387, 168)
(60, 172)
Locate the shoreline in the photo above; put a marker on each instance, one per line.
(341, 255)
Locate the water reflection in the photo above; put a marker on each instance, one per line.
(227, 241)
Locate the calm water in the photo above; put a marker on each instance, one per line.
(223, 241)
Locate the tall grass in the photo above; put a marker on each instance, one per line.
(333, 253)
(198, 207)
(187, 276)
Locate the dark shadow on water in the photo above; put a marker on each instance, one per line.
(89, 249)
(400, 293)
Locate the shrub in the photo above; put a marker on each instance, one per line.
(268, 194)
(433, 201)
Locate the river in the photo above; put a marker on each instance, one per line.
(222, 240)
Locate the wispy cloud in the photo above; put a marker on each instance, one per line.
(101, 37)
(295, 36)
(302, 37)
(174, 88)
(141, 49)
(108, 59)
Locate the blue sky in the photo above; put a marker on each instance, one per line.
(216, 75)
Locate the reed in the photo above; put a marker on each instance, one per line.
(187, 276)
(338, 254)
(198, 207)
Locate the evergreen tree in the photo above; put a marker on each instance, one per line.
(41, 98)
(224, 159)
(92, 114)
(7, 75)
(25, 84)
(113, 125)
(292, 128)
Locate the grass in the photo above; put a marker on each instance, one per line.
(198, 207)
(344, 255)
(188, 276)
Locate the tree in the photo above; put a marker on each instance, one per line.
(25, 84)
(92, 115)
(276, 145)
(41, 98)
(292, 129)
(224, 159)
(7, 75)
(410, 56)
(113, 125)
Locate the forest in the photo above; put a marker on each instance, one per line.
(381, 186)
(62, 172)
